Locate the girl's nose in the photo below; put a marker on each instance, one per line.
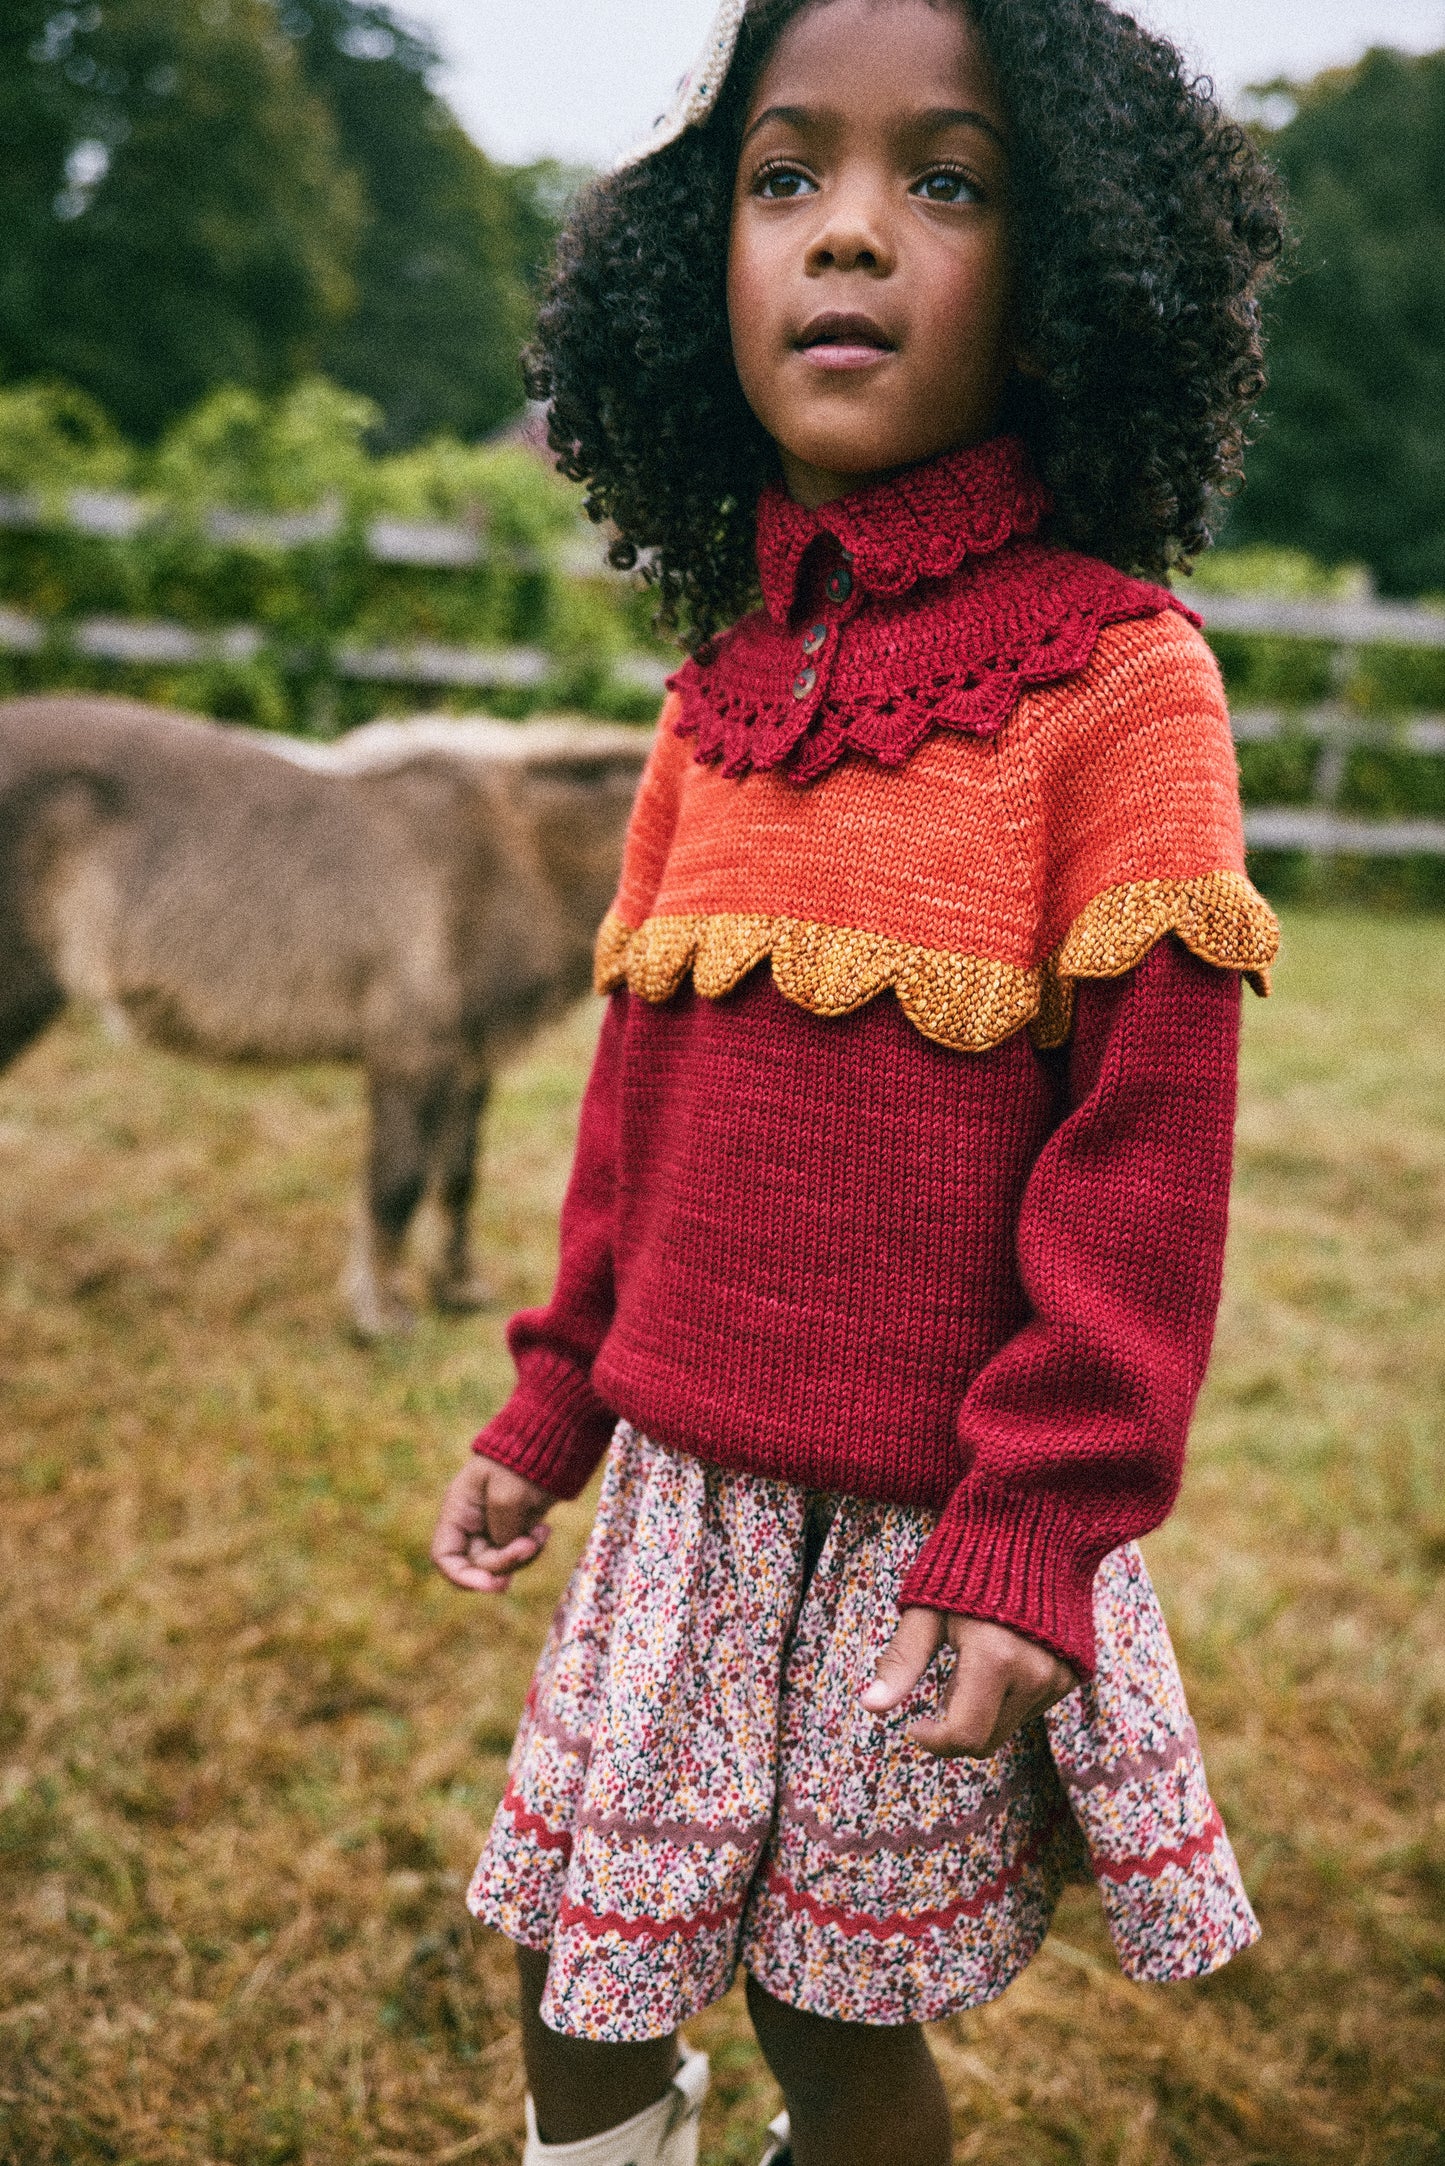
(853, 236)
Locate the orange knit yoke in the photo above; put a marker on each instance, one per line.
(980, 880)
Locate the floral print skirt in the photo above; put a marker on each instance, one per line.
(695, 1785)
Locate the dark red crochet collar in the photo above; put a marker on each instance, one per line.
(919, 604)
(919, 525)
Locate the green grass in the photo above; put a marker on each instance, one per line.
(249, 1743)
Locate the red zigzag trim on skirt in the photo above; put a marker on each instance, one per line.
(527, 1822)
(851, 1922)
(1159, 1861)
(597, 1922)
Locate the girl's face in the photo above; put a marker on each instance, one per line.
(869, 283)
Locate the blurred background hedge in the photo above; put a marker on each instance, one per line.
(539, 579)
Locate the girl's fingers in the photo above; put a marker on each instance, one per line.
(472, 1578)
(471, 1563)
(903, 1661)
(488, 1527)
(509, 1556)
(449, 1541)
(503, 1528)
(972, 1714)
(985, 1709)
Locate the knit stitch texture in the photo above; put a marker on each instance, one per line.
(921, 603)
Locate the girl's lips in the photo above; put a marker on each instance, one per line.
(845, 356)
(840, 340)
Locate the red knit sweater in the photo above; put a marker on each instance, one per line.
(808, 1236)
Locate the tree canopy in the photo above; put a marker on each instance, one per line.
(450, 242)
(1350, 461)
(177, 211)
(203, 192)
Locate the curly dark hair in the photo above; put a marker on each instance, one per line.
(1146, 225)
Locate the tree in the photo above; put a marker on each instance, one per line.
(450, 243)
(177, 213)
(1350, 462)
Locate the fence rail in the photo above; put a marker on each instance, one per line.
(429, 544)
(1328, 834)
(1340, 624)
(1340, 725)
(1334, 728)
(136, 643)
(443, 545)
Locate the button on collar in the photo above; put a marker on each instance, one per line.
(840, 581)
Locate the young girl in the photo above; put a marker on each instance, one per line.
(891, 1254)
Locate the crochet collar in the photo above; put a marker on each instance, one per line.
(921, 524)
(928, 603)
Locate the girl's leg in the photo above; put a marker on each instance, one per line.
(580, 2089)
(856, 2095)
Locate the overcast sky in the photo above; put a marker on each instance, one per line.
(582, 79)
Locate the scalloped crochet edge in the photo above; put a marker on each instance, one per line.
(965, 1002)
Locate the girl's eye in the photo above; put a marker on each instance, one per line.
(782, 183)
(946, 184)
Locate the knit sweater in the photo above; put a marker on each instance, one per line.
(837, 1216)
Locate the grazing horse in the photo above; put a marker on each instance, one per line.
(420, 897)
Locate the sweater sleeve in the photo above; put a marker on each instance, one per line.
(1074, 1433)
(554, 1428)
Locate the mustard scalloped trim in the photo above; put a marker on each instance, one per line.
(965, 1002)
(1220, 917)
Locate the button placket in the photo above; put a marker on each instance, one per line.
(820, 638)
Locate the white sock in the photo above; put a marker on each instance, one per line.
(664, 2134)
(781, 2132)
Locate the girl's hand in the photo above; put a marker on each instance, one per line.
(489, 1526)
(999, 1681)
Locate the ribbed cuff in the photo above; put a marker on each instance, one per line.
(1017, 1558)
(553, 1430)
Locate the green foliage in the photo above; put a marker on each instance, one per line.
(53, 437)
(1403, 885)
(450, 244)
(180, 216)
(292, 454)
(525, 506)
(1288, 574)
(284, 454)
(1262, 670)
(1383, 779)
(1350, 462)
(245, 192)
(1280, 771)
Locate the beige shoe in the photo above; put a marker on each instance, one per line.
(661, 2135)
(779, 2151)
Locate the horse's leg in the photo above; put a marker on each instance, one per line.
(457, 1285)
(404, 1111)
(31, 996)
(23, 1019)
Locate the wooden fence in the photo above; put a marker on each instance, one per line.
(1332, 729)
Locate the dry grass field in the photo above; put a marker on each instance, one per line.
(248, 1743)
